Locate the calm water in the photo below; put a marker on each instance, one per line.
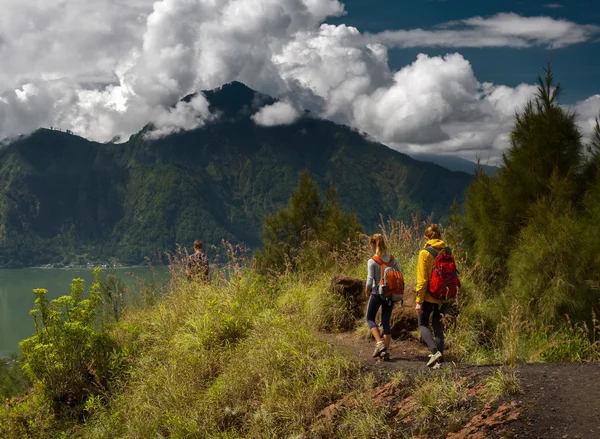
(16, 296)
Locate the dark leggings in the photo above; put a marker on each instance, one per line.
(375, 301)
(436, 322)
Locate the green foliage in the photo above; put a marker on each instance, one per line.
(530, 230)
(335, 312)
(112, 298)
(12, 380)
(29, 417)
(67, 357)
(547, 267)
(545, 143)
(238, 358)
(593, 150)
(305, 219)
(336, 227)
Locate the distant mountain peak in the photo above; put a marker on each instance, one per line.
(235, 100)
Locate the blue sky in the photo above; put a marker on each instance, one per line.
(577, 67)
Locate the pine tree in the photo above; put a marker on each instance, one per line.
(305, 207)
(306, 218)
(545, 143)
(336, 227)
(547, 264)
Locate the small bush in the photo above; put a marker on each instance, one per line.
(67, 357)
(28, 417)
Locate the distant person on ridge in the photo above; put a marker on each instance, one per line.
(385, 285)
(197, 267)
(437, 286)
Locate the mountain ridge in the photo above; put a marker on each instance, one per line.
(79, 200)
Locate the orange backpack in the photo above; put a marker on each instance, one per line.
(391, 283)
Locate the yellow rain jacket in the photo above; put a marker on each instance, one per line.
(424, 269)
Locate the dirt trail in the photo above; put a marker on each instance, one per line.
(404, 353)
(559, 401)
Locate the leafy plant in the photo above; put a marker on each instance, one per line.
(68, 358)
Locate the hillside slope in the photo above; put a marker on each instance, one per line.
(66, 199)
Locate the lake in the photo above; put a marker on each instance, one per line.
(16, 296)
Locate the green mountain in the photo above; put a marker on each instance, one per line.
(66, 199)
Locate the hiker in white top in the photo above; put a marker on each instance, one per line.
(376, 301)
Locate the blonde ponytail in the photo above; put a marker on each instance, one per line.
(379, 243)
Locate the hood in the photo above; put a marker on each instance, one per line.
(437, 244)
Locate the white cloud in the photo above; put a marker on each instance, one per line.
(500, 30)
(423, 96)
(185, 116)
(66, 38)
(111, 66)
(279, 113)
(588, 110)
(182, 46)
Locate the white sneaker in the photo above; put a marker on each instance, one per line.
(434, 358)
(379, 348)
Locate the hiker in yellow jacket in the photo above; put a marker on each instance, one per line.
(426, 305)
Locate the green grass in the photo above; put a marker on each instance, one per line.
(504, 381)
(441, 403)
(242, 358)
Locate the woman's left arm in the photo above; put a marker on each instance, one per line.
(370, 277)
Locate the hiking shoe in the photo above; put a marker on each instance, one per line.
(437, 366)
(434, 358)
(385, 356)
(379, 348)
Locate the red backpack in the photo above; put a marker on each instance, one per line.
(391, 283)
(444, 283)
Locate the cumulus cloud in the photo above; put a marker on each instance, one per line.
(182, 46)
(110, 67)
(279, 113)
(500, 30)
(67, 38)
(588, 110)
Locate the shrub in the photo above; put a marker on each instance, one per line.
(67, 357)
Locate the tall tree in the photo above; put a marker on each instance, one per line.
(336, 227)
(545, 144)
(305, 218)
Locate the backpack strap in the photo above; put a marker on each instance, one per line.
(381, 264)
(432, 252)
(435, 254)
